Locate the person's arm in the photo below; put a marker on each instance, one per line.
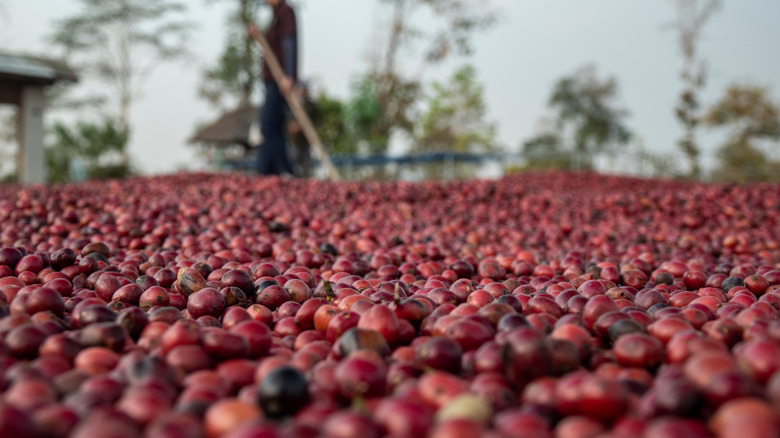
(290, 55)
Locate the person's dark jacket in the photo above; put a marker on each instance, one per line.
(282, 36)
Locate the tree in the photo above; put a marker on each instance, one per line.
(120, 43)
(754, 120)
(365, 117)
(454, 121)
(546, 150)
(236, 75)
(585, 107)
(332, 128)
(691, 17)
(455, 117)
(397, 90)
(97, 147)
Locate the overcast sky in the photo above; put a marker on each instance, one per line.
(536, 42)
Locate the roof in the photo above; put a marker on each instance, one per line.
(34, 69)
(231, 128)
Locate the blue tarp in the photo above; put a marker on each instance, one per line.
(383, 159)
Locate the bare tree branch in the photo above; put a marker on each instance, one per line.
(691, 17)
(121, 42)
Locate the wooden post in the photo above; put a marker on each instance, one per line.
(297, 109)
(31, 156)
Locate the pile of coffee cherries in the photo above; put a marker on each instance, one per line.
(536, 305)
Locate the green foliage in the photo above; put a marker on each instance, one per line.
(545, 151)
(397, 99)
(397, 91)
(366, 116)
(331, 127)
(754, 120)
(585, 104)
(236, 75)
(97, 146)
(351, 126)
(748, 110)
(455, 117)
(660, 165)
(585, 122)
(120, 42)
(742, 161)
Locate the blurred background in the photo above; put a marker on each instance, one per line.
(667, 88)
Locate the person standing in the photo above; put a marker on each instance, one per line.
(282, 35)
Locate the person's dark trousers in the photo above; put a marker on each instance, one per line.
(272, 156)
